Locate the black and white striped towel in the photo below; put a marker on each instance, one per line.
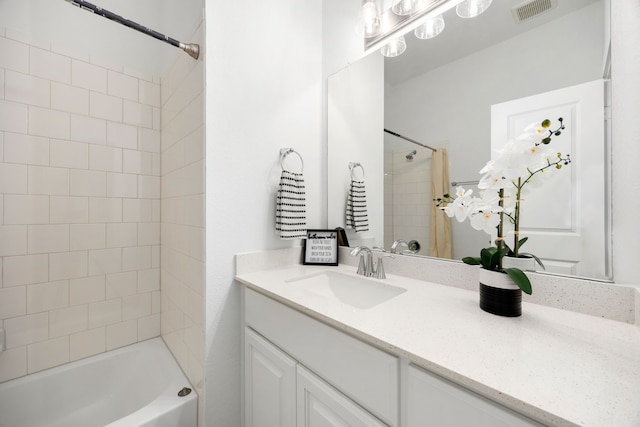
(291, 214)
(356, 216)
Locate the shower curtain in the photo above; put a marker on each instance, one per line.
(440, 222)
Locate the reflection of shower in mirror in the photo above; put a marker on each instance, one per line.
(409, 156)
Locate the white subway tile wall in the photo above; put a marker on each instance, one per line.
(182, 198)
(79, 206)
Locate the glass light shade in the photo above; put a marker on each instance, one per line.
(431, 28)
(369, 19)
(394, 48)
(472, 8)
(405, 7)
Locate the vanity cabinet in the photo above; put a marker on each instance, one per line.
(301, 372)
(434, 401)
(361, 374)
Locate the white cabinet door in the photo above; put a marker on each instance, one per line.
(320, 405)
(270, 384)
(433, 401)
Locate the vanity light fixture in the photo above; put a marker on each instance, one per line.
(430, 28)
(472, 8)
(405, 7)
(369, 21)
(388, 20)
(395, 47)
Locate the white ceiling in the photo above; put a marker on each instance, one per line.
(79, 31)
(462, 37)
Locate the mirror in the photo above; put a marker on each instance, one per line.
(440, 92)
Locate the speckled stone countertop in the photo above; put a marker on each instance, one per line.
(558, 367)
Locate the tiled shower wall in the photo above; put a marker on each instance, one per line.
(183, 230)
(79, 206)
(408, 197)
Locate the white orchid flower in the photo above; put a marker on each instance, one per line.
(485, 221)
(535, 131)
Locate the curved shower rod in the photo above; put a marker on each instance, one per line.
(191, 48)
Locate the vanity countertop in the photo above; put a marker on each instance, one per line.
(559, 367)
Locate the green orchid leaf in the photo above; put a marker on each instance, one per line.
(486, 257)
(546, 140)
(497, 255)
(522, 241)
(510, 251)
(519, 279)
(538, 260)
(472, 260)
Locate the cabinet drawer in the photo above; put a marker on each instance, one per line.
(366, 374)
(434, 401)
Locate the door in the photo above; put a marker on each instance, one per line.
(320, 405)
(565, 217)
(270, 384)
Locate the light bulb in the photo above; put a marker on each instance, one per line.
(404, 7)
(394, 48)
(369, 19)
(431, 28)
(472, 8)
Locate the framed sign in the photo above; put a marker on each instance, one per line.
(321, 247)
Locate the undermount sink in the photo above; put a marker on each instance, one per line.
(358, 292)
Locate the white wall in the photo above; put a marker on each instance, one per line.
(453, 103)
(355, 106)
(79, 205)
(626, 139)
(263, 93)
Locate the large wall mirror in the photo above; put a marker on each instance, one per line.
(441, 92)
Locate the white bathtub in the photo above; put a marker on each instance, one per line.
(133, 386)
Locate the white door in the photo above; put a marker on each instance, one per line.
(320, 405)
(565, 217)
(270, 384)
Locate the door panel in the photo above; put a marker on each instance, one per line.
(565, 216)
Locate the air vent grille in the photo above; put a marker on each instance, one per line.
(531, 9)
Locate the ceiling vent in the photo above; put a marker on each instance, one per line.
(530, 9)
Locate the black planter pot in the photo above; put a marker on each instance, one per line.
(499, 295)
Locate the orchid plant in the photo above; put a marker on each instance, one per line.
(519, 166)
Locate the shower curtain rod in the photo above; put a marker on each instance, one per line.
(409, 139)
(191, 48)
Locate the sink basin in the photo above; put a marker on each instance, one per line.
(356, 291)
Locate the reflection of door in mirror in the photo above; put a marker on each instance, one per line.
(563, 216)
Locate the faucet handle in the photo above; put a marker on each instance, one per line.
(380, 267)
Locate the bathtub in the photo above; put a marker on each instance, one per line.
(133, 386)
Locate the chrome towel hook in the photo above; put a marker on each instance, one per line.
(353, 166)
(284, 152)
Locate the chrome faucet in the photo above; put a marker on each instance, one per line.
(397, 243)
(365, 267)
(412, 247)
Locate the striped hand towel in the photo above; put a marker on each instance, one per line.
(356, 216)
(291, 215)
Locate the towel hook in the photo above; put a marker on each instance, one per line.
(353, 165)
(284, 152)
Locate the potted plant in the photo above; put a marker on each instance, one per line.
(516, 168)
